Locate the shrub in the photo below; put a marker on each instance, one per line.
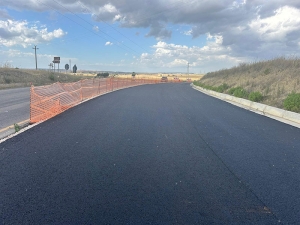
(240, 93)
(17, 127)
(232, 90)
(255, 96)
(51, 77)
(222, 88)
(7, 80)
(102, 74)
(292, 102)
(267, 71)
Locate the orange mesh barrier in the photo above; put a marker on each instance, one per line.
(48, 101)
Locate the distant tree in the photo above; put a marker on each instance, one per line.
(74, 68)
(102, 74)
(133, 74)
(67, 67)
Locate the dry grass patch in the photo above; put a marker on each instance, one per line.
(157, 76)
(275, 79)
(11, 78)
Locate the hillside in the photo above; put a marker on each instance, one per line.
(274, 79)
(11, 78)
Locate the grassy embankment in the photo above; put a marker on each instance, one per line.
(274, 82)
(13, 78)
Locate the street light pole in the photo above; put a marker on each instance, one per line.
(35, 48)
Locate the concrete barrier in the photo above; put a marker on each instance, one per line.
(246, 103)
(295, 117)
(228, 97)
(270, 111)
(258, 107)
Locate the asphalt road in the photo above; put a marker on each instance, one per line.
(14, 106)
(153, 154)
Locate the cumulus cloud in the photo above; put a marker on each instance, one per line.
(285, 20)
(209, 56)
(158, 31)
(108, 43)
(96, 28)
(21, 33)
(188, 32)
(252, 28)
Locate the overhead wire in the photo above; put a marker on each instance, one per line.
(172, 9)
(90, 29)
(104, 38)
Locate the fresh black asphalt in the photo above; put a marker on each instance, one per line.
(152, 154)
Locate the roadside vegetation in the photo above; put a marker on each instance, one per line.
(273, 82)
(102, 75)
(14, 77)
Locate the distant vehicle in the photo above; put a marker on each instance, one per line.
(189, 80)
(164, 79)
(176, 79)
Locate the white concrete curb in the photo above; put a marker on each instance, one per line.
(281, 115)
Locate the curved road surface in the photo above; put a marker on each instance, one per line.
(153, 154)
(14, 106)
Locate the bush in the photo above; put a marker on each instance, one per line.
(7, 80)
(102, 74)
(240, 93)
(255, 96)
(220, 88)
(267, 71)
(232, 90)
(292, 102)
(51, 77)
(17, 127)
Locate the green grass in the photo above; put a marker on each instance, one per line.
(292, 102)
(222, 88)
(17, 127)
(255, 96)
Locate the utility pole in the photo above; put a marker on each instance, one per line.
(188, 69)
(70, 65)
(35, 48)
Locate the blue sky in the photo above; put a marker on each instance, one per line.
(147, 35)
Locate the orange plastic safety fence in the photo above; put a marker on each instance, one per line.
(48, 101)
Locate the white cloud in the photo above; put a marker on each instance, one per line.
(276, 27)
(188, 33)
(209, 57)
(96, 28)
(21, 33)
(108, 43)
(235, 28)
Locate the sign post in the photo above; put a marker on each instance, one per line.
(56, 60)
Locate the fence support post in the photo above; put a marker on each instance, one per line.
(30, 116)
(81, 90)
(99, 86)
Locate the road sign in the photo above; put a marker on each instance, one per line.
(56, 60)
